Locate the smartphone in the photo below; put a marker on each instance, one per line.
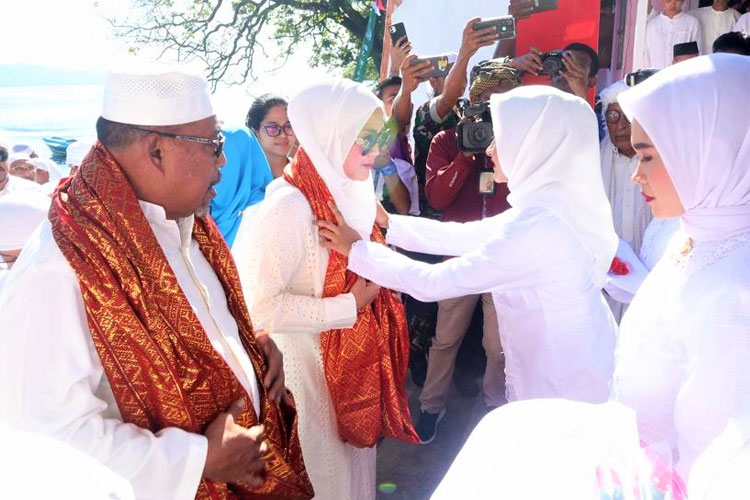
(505, 26)
(441, 65)
(397, 31)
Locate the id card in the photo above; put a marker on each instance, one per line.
(487, 182)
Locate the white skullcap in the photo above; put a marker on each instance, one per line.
(609, 95)
(155, 95)
(14, 157)
(21, 213)
(22, 149)
(77, 151)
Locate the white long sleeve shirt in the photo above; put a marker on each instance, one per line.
(557, 332)
(52, 381)
(663, 33)
(714, 24)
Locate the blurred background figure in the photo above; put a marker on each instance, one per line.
(684, 51)
(268, 120)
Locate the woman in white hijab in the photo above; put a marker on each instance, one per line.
(288, 276)
(682, 361)
(544, 261)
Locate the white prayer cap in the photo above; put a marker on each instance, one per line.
(21, 213)
(22, 149)
(609, 95)
(14, 157)
(77, 151)
(155, 95)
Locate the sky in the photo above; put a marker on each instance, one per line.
(75, 34)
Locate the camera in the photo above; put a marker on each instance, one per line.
(636, 77)
(475, 128)
(552, 63)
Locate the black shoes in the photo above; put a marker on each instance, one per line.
(427, 426)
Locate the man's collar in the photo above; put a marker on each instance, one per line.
(157, 218)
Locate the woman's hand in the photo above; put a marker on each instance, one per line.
(381, 215)
(339, 236)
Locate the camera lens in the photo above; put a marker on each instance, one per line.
(479, 135)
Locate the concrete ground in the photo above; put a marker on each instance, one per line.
(415, 471)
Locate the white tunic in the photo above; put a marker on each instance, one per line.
(51, 378)
(556, 329)
(743, 24)
(714, 24)
(662, 33)
(15, 183)
(287, 268)
(682, 361)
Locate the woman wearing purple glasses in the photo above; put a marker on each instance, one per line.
(269, 122)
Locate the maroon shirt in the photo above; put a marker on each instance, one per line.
(452, 184)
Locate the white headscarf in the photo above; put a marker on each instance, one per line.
(21, 212)
(327, 117)
(55, 174)
(697, 116)
(609, 95)
(548, 147)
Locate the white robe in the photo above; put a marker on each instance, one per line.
(714, 24)
(683, 364)
(287, 268)
(556, 330)
(16, 183)
(743, 24)
(663, 33)
(51, 378)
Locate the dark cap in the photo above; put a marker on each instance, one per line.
(685, 49)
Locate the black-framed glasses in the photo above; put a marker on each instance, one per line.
(3, 154)
(613, 116)
(383, 139)
(218, 144)
(275, 130)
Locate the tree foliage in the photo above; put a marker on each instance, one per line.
(226, 35)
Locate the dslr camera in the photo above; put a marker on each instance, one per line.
(636, 77)
(552, 63)
(475, 128)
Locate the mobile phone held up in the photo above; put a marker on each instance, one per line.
(397, 31)
(441, 65)
(505, 26)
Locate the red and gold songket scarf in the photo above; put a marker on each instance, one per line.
(161, 365)
(365, 366)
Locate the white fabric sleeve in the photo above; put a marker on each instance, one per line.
(49, 376)
(274, 260)
(624, 287)
(408, 177)
(500, 264)
(429, 236)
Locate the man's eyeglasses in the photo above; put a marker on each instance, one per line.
(3, 154)
(274, 130)
(383, 139)
(218, 144)
(613, 116)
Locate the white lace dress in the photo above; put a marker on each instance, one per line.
(283, 283)
(683, 362)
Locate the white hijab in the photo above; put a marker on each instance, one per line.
(327, 117)
(548, 147)
(697, 116)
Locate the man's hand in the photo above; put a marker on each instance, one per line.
(274, 379)
(235, 454)
(400, 52)
(364, 292)
(381, 215)
(473, 40)
(530, 62)
(576, 75)
(338, 236)
(412, 76)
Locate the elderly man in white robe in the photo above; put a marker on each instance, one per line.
(10, 183)
(630, 213)
(715, 20)
(670, 27)
(144, 356)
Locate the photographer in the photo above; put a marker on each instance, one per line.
(580, 64)
(453, 186)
